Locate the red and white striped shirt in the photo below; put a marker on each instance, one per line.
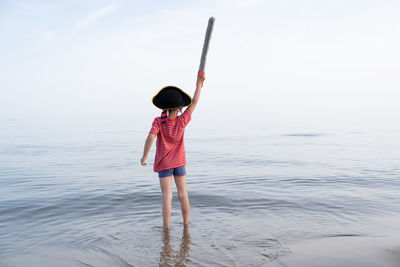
(170, 148)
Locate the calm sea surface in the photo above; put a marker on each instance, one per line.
(81, 198)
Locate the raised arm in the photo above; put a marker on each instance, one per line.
(147, 146)
(196, 96)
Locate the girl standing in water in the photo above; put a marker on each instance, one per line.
(170, 158)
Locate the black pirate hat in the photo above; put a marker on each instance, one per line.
(171, 97)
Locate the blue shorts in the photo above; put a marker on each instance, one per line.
(179, 171)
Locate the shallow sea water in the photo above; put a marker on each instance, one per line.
(80, 198)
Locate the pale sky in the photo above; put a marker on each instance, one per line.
(287, 60)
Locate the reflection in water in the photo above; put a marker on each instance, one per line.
(168, 257)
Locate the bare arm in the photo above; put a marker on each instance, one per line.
(196, 96)
(147, 146)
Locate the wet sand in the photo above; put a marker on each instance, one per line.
(339, 251)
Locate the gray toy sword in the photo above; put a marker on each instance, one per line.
(205, 46)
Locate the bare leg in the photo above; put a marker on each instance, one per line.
(166, 189)
(180, 182)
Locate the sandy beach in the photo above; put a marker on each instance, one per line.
(339, 251)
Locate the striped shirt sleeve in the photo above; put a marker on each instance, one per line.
(155, 127)
(185, 117)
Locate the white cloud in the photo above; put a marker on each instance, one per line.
(96, 15)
